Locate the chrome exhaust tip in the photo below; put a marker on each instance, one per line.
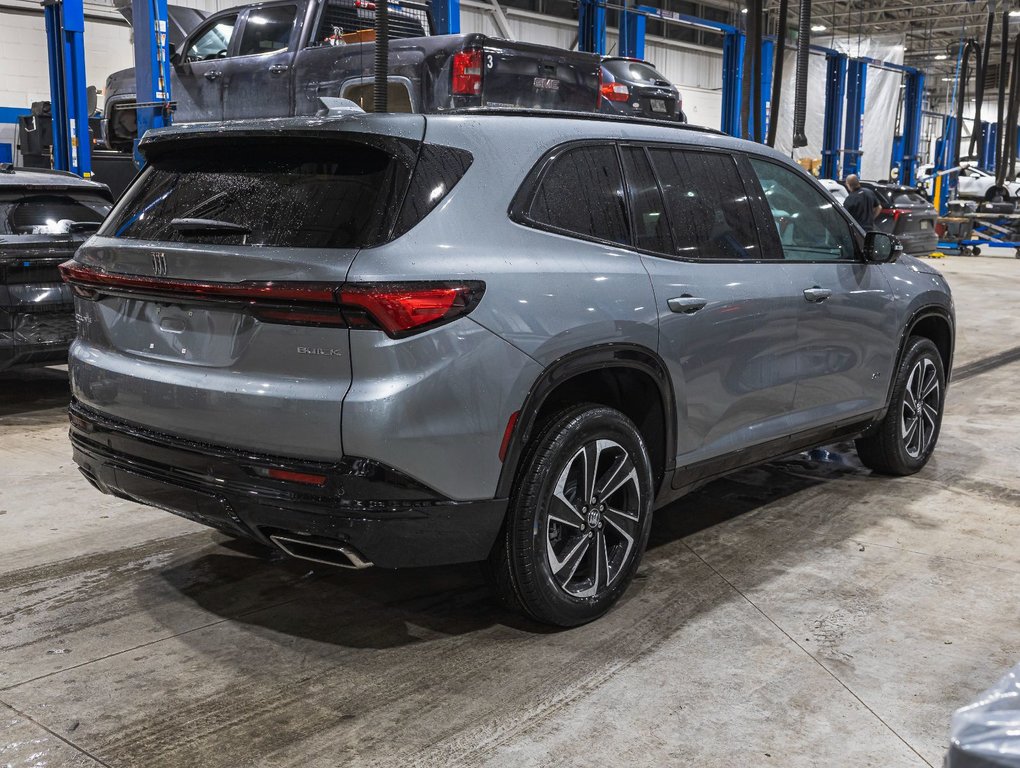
(318, 552)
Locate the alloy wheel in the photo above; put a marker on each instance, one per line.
(922, 400)
(593, 519)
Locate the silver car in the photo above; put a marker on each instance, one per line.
(408, 340)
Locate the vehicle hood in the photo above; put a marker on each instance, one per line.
(180, 20)
(918, 265)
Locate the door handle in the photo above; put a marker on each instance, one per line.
(278, 69)
(686, 304)
(816, 295)
(212, 74)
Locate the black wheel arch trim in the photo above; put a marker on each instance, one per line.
(600, 357)
(922, 313)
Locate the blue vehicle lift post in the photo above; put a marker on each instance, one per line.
(764, 110)
(591, 26)
(446, 14)
(152, 67)
(856, 84)
(632, 33)
(913, 105)
(65, 45)
(832, 130)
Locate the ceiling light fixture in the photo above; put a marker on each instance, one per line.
(818, 27)
(1015, 13)
(940, 57)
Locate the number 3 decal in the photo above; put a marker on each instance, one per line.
(488, 61)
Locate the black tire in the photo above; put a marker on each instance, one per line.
(904, 440)
(560, 560)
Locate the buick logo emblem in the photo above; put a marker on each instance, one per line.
(159, 264)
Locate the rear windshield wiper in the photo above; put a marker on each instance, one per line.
(84, 226)
(208, 226)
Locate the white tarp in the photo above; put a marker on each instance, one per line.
(881, 101)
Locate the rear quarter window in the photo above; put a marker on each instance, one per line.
(580, 192)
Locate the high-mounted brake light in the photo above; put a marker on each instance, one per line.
(615, 91)
(467, 73)
(399, 309)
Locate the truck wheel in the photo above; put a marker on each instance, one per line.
(579, 518)
(906, 437)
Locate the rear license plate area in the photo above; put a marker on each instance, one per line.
(658, 105)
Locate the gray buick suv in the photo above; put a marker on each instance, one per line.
(409, 340)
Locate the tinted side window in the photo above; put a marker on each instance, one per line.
(436, 172)
(707, 205)
(267, 30)
(582, 193)
(648, 217)
(808, 224)
(214, 42)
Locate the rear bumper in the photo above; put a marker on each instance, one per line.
(383, 516)
(920, 243)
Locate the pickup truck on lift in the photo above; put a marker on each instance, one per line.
(277, 59)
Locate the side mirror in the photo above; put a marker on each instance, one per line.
(881, 248)
(174, 58)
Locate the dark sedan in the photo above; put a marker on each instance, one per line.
(637, 88)
(907, 215)
(44, 217)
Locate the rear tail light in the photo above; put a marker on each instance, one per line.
(399, 309)
(615, 91)
(467, 73)
(404, 308)
(894, 212)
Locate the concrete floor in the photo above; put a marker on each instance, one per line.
(803, 613)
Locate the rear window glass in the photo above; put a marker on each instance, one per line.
(635, 71)
(909, 198)
(582, 193)
(347, 17)
(306, 194)
(51, 214)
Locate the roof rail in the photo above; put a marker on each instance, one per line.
(572, 115)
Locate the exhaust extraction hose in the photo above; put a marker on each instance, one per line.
(970, 47)
(380, 90)
(1000, 139)
(800, 96)
(977, 141)
(777, 78)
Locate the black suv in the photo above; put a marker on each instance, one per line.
(44, 217)
(635, 87)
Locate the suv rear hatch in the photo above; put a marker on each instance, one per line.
(40, 227)
(208, 303)
(647, 90)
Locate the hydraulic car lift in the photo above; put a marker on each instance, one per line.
(65, 46)
(152, 67)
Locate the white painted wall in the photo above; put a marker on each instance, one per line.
(24, 72)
